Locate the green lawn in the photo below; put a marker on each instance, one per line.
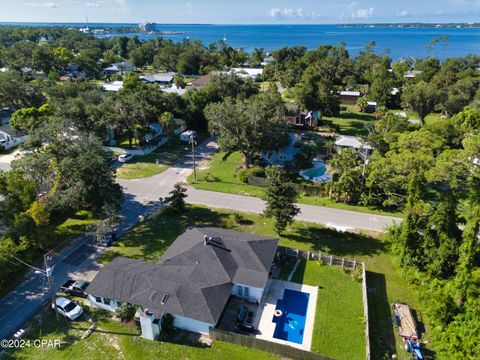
(222, 176)
(412, 115)
(350, 122)
(114, 340)
(339, 321)
(146, 166)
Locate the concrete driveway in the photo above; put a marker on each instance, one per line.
(6, 160)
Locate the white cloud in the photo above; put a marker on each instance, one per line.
(93, 4)
(286, 13)
(403, 13)
(47, 4)
(363, 13)
(291, 13)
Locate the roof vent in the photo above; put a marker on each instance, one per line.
(205, 240)
(165, 298)
(153, 295)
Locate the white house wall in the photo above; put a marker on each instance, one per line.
(113, 306)
(254, 294)
(191, 324)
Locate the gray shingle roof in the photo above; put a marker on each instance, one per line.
(197, 278)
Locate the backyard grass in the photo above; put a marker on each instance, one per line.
(350, 122)
(339, 330)
(222, 176)
(114, 340)
(157, 162)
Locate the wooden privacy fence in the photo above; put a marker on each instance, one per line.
(264, 345)
(333, 260)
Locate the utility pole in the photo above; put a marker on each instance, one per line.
(48, 274)
(193, 142)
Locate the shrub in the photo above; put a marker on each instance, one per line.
(244, 174)
(357, 274)
(125, 312)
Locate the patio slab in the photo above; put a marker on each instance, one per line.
(266, 311)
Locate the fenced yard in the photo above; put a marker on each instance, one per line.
(356, 267)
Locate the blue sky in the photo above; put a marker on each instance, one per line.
(245, 11)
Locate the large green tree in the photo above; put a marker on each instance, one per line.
(422, 98)
(244, 125)
(280, 198)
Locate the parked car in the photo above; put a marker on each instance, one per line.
(187, 135)
(68, 308)
(75, 288)
(125, 157)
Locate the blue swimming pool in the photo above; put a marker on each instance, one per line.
(291, 325)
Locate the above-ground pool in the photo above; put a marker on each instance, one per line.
(293, 309)
(316, 174)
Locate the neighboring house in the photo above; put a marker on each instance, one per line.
(352, 142)
(10, 138)
(113, 86)
(174, 90)
(192, 281)
(119, 68)
(73, 75)
(412, 74)
(200, 82)
(181, 126)
(371, 106)
(302, 120)
(159, 78)
(155, 130)
(349, 97)
(285, 155)
(268, 60)
(245, 73)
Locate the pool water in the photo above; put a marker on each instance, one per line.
(316, 172)
(291, 325)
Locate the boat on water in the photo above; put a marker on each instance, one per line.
(407, 328)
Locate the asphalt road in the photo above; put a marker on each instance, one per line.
(146, 190)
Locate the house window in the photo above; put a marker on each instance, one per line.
(246, 292)
(240, 291)
(98, 299)
(107, 301)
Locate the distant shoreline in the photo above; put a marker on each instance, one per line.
(352, 25)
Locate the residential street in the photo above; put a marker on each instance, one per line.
(142, 197)
(151, 189)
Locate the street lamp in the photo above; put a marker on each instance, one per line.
(192, 141)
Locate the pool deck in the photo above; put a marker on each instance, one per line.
(263, 319)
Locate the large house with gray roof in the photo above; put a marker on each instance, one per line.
(192, 281)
